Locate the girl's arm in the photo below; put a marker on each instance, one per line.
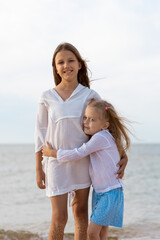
(122, 164)
(70, 155)
(40, 133)
(40, 176)
(96, 143)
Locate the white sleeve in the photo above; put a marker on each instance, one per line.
(41, 125)
(96, 143)
(95, 95)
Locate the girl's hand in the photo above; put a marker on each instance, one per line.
(40, 179)
(122, 164)
(47, 151)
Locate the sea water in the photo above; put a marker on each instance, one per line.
(25, 211)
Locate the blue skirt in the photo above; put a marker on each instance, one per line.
(107, 208)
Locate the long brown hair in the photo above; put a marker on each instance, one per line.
(82, 74)
(116, 124)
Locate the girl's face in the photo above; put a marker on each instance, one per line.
(93, 121)
(67, 65)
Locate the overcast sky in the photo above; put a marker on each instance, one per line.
(119, 38)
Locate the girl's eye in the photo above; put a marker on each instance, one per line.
(92, 120)
(60, 62)
(71, 60)
(84, 118)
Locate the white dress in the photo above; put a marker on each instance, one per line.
(60, 123)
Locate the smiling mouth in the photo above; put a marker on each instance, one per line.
(68, 71)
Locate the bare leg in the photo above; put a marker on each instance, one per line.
(104, 233)
(59, 217)
(94, 231)
(80, 213)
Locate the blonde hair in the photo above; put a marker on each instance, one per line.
(116, 124)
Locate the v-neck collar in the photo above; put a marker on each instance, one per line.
(76, 90)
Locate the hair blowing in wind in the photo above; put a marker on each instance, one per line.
(117, 125)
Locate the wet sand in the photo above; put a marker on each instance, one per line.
(70, 236)
(23, 235)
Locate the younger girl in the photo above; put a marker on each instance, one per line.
(106, 146)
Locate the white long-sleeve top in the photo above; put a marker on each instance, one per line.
(60, 123)
(104, 157)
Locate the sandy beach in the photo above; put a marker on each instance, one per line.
(71, 237)
(23, 235)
